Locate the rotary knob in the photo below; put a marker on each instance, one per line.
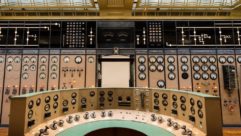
(153, 117)
(76, 117)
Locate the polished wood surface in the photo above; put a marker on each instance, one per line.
(226, 131)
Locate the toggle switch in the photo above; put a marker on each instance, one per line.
(76, 117)
(103, 114)
(53, 126)
(61, 123)
(86, 115)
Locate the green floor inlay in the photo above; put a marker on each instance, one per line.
(147, 129)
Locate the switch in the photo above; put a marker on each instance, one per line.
(153, 117)
(61, 123)
(69, 119)
(92, 115)
(103, 114)
(86, 115)
(110, 114)
(53, 126)
(76, 117)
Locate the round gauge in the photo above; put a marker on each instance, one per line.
(160, 83)
(73, 95)
(54, 67)
(33, 59)
(92, 93)
(156, 101)
(54, 59)
(91, 59)
(55, 105)
(30, 104)
(110, 93)
(152, 59)
(182, 99)
(73, 101)
(222, 59)
(174, 97)
(205, 76)
(171, 67)
(47, 99)
(164, 96)
(141, 59)
(142, 76)
(184, 67)
(65, 103)
(25, 76)
(212, 59)
(56, 97)
(38, 101)
(26, 59)
(196, 76)
(212, 67)
(9, 59)
(230, 59)
(164, 102)
(1, 59)
(17, 59)
(192, 102)
(174, 105)
(196, 67)
(110, 98)
(204, 67)
(184, 59)
(185, 75)
(53, 75)
(152, 68)
(9, 67)
(183, 107)
(83, 100)
(78, 60)
(156, 95)
(171, 76)
(30, 114)
(170, 59)
(142, 68)
(47, 107)
(239, 59)
(199, 104)
(195, 59)
(42, 67)
(159, 59)
(192, 110)
(213, 76)
(43, 59)
(200, 113)
(25, 67)
(66, 59)
(204, 59)
(160, 68)
(102, 93)
(42, 75)
(32, 67)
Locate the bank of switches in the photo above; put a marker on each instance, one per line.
(187, 112)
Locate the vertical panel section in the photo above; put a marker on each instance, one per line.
(90, 70)
(141, 71)
(43, 61)
(171, 71)
(54, 66)
(2, 67)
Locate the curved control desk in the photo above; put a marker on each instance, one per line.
(70, 112)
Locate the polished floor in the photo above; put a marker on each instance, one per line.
(226, 131)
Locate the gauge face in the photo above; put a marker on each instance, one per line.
(196, 67)
(141, 59)
(152, 68)
(55, 105)
(205, 76)
(171, 67)
(1, 59)
(204, 67)
(66, 59)
(199, 104)
(174, 97)
(30, 114)
(160, 68)
(54, 67)
(91, 59)
(47, 107)
(25, 76)
(195, 59)
(30, 104)
(54, 59)
(212, 59)
(164, 96)
(47, 99)
(192, 102)
(42, 67)
(83, 100)
(152, 59)
(43, 59)
(171, 76)
(25, 67)
(183, 99)
(222, 59)
(53, 75)
(200, 113)
(184, 67)
(73, 95)
(204, 59)
(170, 59)
(33, 59)
(156, 95)
(183, 107)
(73, 101)
(38, 101)
(78, 60)
(9, 59)
(239, 59)
(160, 83)
(9, 67)
(92, 93)
(142, 68)
(184, 59)
(65, 103)
(213, 76)
(56, 97)
(230, 59)
(32, 67)
(42, 75)
(17, 59)
(196, 76)
(142, 76)
(26, 59)
(159, 59)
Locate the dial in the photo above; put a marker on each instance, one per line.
(205, 76)
(54, 59)
(66, 59)
(183, 99)
(54, 67)
(30, 114)
(222, 59)
(142, 68)
(204, 67)
(43, 59)
(156, 95)
(42, 67)
(33, 59)
(164, 96)
(239, 59)
(152, 68)
(83, 100)
(184, 59)
(65, 103)
(141, 59)
(78, 60)
(174, 97)
(17, 59)
(171, 67)
(56, 97)
(195, 59)
(25, 76)
(25, 67)
(152, 59)
(1, 59)
(33, 67)
(159, 59)
(91, 59)
(30, 104)
(160, 83)
(55, 105)
(9, 59)
(196, 67)
(204, 59)
(53, 75)
(142, 76)
(213, 76)
(47, 99)
(230, 59)
(171, 59)
(47, 107)
(42, 75)
(200, 113)
(10, 67)
(196, 76)
(212, 59)
(73, 95)
(160, 68)
(212, 67)
(199, 104)
(26, 59)
(184, 67)
(171, 76)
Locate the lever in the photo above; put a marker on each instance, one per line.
(53, 126)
